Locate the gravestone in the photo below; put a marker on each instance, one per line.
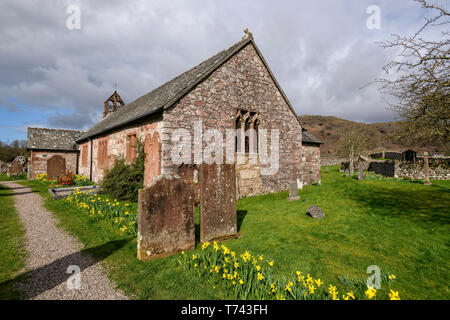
(360, 172)
(15, 168)
(315, 212)
(217, 201)
(165, 218)
(293, 192)
(426, 168)
(56, 167)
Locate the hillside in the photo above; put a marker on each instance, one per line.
(326, 127)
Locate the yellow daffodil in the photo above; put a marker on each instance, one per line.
(393, 295)
(370, 292)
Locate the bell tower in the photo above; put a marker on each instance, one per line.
(112, 104)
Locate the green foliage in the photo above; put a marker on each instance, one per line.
(367, 223)
(8, 152)
(12, 245)
(368, 175)
(81, 181)
(124, 180)
(4, 177)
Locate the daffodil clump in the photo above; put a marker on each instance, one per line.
(77, 180)
(80, 180)
(42, 177)
(104, 208)
(248, 276)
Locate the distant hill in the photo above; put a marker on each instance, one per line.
(382, 133)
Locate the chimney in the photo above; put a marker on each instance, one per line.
(112, 104)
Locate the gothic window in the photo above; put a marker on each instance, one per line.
(238, 135)
(102, 153)
(131, 147)
(84, 155)
(247, 124)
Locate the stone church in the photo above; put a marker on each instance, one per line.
(235, 89)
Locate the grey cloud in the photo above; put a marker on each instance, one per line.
(320, 51)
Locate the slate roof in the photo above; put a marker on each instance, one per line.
(167, 94)
(164, 95)
(309, 138)
(53, 139)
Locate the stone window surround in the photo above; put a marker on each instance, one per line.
(84, 156)
(254, 118)
(102, 153)
(131, 148)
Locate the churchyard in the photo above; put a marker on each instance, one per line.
(399, 226)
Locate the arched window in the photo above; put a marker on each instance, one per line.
(247, 125)
(256, 136)
(247, 135)
(237, 147)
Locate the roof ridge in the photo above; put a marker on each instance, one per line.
(53, 129)
(124, 109)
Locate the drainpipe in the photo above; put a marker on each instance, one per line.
(78, 162)
(90, 164)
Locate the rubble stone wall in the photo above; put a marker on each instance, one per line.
(116, 143)
(38, 162)
(311, 164)
(241, 83)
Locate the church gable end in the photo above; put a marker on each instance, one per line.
(243, 83)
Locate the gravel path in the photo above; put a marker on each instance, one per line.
(51, 251)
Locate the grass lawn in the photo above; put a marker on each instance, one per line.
(12, 244)
(5, 177)
(401, 227)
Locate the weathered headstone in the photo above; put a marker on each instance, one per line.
(56, 167)
(315, 212)
(15, 168)
(360, 172)
(217, 189)
(426, 168)
(165, 218)
(293, 192)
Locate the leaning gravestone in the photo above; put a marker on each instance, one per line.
(315, 212)
(293, 192)
(360, 172)
(165, 218)
(426, 168)
(217, 201)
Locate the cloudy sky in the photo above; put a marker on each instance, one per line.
(321, 52)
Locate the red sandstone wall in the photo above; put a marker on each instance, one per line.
(38, 162)
(311, 164)
(117, 146)
(85, 152)
(244, 83)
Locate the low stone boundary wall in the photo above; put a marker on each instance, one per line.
(416, 171)
(385, 168)
(390, 168)
(331, 161)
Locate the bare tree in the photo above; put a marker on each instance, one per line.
(421, 89)
(352, 142)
